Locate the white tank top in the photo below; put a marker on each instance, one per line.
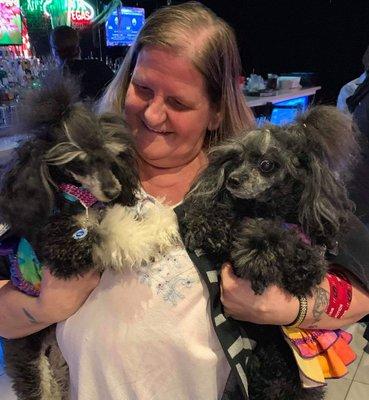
(145, 334)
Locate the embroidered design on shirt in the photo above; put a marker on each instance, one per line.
(171, 277)
(173, 274)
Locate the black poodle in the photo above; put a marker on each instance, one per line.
(70, 160)
(273, 201)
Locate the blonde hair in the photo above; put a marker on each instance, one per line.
(192, 29)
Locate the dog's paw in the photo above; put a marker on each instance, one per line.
(259, 268)
(255, 252)
(304, 269)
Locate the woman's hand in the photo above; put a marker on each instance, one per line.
(60, 298)
(274, 306)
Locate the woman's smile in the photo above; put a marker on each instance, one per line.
(163, 132)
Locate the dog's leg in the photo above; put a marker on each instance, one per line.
(55, 372)
(304, 268)
(271, 369)
(28, 365)
(256, 246)
(266, 253)
(60, 248)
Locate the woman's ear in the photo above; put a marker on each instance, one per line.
(214, 121)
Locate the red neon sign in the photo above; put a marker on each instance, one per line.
(79, 17)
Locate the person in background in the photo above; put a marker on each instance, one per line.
(358, 106)
(149, 333)
(358, 102)
(94, 75)
(349, 88)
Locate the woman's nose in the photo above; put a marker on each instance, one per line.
(155, 112)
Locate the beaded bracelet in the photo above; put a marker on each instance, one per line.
(303, 308)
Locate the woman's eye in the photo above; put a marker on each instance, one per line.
(143, 90)
(267, 166)
(178, 105)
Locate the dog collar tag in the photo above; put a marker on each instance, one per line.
(80, 234)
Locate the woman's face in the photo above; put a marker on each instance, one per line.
(168, 109)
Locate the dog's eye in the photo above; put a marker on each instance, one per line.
(266, 166)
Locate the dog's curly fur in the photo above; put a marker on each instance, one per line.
(64, 143)
(239, 207)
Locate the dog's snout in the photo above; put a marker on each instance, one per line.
(234, 182)
(112, 193)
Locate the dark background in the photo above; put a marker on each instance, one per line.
(328, 37)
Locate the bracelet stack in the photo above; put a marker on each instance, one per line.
(303, 307)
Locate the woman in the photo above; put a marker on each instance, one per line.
(148, 333)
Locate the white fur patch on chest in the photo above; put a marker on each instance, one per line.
(131, 239)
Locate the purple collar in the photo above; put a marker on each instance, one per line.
(86, 198)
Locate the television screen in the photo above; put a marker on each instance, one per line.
(10, 23)
(123, 26)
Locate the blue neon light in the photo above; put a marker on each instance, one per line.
(283, 115)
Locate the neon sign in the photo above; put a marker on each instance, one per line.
(69, 12)
(82, 14)
(10, 23)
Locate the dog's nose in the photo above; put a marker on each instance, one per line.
(234, 182)
(112, 193)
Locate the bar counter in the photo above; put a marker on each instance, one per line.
(281, 95)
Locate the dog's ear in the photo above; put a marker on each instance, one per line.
(119, 141)
(328, 150)
(208, 187)
(332, 136)
(126, 171)
(25, 200)
(51, 103)
(117, 136)
(324, 204)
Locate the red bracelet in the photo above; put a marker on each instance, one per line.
(340, 294)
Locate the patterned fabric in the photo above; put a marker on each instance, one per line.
(3, 228)
(320, 354)
(235, 344)
(25, 269)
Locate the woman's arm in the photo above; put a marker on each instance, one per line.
(22, 315)
(277, 307)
